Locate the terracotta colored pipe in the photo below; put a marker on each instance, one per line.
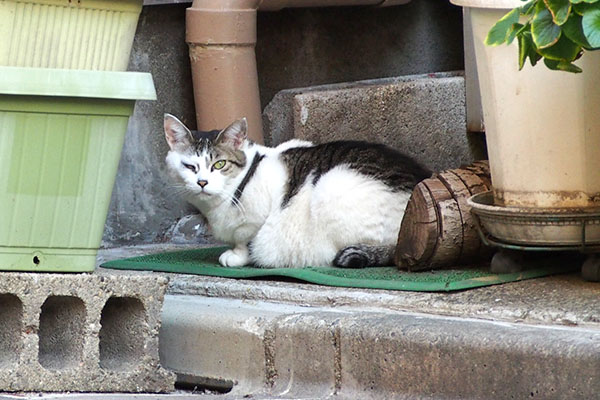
(221, 35)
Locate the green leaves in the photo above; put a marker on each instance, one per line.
(591, 26)
(543, 29)
(573, 29)
(564, 50)
(500, 31)
(527, 50)
(559, 9)
(559, 31)
(561, 66)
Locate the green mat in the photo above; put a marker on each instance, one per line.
(205, 262)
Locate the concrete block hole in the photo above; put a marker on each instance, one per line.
(61, 333)
(122, 336)
(11, 317)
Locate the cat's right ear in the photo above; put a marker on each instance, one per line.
(177, 134)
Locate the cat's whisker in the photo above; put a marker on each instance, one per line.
(180, 190)
(235, 201)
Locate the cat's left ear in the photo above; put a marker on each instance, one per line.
(235, 134)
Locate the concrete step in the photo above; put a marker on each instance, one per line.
(420, 115)
(276, 339)
(294, 351)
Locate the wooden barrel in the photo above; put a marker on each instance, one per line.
(438, 230)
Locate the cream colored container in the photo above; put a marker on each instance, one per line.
(69, 34)
(542, 126)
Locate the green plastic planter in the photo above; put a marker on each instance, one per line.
(61, 135)
(71, 34)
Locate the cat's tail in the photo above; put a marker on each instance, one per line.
(364, 255)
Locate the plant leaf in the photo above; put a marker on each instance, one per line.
(513, 32)
(582, 8)
(499, 33)
(527, 50)
(525, 45)
(551, 64)
(591, 26)
(564, 50)
(559, 9)
(526, 9)
(561, 66)
(574, 31)
(588, 1)
(569, 67)
(544, 31)
(534, 57)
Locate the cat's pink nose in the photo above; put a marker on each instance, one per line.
(202, 183)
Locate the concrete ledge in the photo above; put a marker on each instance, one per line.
(456, 358)
(421, 115)
(81, 332)
(293, 351)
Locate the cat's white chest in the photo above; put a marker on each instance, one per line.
(238, 220)
(224, 221)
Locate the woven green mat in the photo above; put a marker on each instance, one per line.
(205, 262)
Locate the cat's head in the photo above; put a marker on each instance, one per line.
(205, 164)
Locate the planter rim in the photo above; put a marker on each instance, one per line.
(134, 6)
(76, 83)
(500, 4)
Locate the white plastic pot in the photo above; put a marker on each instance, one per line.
(542, 126)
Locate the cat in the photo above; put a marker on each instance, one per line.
(295, 205)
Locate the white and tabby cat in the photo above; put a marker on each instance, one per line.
(295, 205)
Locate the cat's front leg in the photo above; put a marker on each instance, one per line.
(236, 257)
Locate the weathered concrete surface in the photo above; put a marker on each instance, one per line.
(556, 300)
(81, 332)
(314, 46)
(563, 300)
(304, 355)
(361, 353)
(416, 356)
(539, 336)
(143, 206)
(221, 344)
(421, 115)
(180, 395)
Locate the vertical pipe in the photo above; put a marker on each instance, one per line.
(222, 36)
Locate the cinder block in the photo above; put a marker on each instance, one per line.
(421, 115)
(92, 333)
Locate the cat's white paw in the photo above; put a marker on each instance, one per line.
(233, 258)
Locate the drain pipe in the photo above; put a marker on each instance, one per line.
(221, 35)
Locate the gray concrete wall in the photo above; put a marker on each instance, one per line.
(306, 47)
(296, 48)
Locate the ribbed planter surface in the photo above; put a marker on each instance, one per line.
(72, 34)
(61, 135)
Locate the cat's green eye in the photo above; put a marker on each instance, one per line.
(219, 164)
